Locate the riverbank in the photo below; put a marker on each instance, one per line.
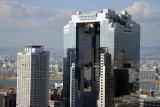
(149, 80)
(15, 78)
(8, 78)
(4, 89)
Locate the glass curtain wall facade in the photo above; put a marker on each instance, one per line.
(88, 37)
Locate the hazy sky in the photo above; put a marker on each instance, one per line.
(25, 22)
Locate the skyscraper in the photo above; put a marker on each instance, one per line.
(33, 77)
(98, 44)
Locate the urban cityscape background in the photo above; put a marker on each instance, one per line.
(32, 23)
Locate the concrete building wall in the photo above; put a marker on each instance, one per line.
(33, 77)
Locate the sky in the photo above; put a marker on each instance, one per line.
(40, 22)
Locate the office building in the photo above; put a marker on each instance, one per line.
(89, 38)
(1, 99)
(6, 99)
(33, 77)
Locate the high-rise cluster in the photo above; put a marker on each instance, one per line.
(101, 59)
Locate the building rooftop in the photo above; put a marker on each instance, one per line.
(34, 46)
(122, 17)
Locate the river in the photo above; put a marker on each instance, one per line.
(14, 82)
(5, 82)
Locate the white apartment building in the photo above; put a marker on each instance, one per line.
(32, 77)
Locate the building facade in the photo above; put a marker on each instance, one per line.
(87, 38)
(32, 77)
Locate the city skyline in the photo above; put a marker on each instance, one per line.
(27, 22)
(101, 49)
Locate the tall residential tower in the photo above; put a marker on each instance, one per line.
(100, 48)
(33, 77)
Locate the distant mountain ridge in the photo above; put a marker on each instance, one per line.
(150, 51)
(58, 53)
